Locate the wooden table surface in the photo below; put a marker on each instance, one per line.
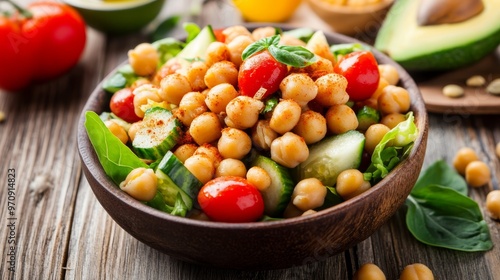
(62, 232)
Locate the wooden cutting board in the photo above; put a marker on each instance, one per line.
(475, 100)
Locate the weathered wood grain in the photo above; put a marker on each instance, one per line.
(62, 232)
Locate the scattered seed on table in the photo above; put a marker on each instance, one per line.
(494, 87)
(476, 81)
(497, 149)
(2, 116)
(453, 91)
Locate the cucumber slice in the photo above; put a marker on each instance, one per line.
(278, 194)
(171, 166)
(197, 48)
(331, 156)
(366, 117)
(169, 191)
(158, 133)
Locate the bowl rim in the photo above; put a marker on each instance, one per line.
(346, 9)
(110, 6)
(89, 157)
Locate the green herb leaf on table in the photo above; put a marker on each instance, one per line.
(116, 159)
(442, 215)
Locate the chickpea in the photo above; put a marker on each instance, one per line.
(389, 73)
(143, 59)
(369, 271)
(243, 112)
(289, 150)
(462, 158)
(373, 135)
(493, 204)
(205, 128)
(285, 116)
(394, 99)
(311, 126)
(117, 130)
(216, 52)
(308, 194)
(191, 106)
(201, 167)
(219, 96)
(351, 183)
(211, 152)
(292, 211)
(341, 118)
(391, 120)
(309, 212)
(317, 69)
(477, 174)
(141, 183)
(331, 90)
(234, 31)
(143, 95)
(133, 130)
(259, 178)
(236, 48)
(289, 40)
(231, 167)
(221, 72)
(196, 75)
(173, 87)
(234, 143)
(184, 151)
(373, 100)
(299, 87)
(263, 135)
(416, 271)
(263, 32)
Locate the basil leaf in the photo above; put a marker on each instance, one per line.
(124, 77)
(116, 159)
(295, 56)
(440, 173)
(442, 217)
(259, 45)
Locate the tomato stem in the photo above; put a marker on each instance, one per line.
(21, 10)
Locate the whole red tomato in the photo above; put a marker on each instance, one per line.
(231, 199)
(39, 43)
(261, 74)
(122, 105)
(361, 71)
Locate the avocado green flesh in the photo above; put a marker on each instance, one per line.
(438, 47)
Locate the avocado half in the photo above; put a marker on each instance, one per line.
(438, 47)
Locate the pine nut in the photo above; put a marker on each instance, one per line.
(453, 91)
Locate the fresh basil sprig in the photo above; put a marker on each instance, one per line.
(295, 56)
(441, 214)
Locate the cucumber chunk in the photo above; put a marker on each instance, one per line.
(278, 194)
(331, 156)
(169, 191)
(171, 166)
(197, 48)
(158, 133)
(367, 116)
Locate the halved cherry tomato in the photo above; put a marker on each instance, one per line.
(122, 105)
(231, 199)
(361, 71)
(261, 74)
(219, 36)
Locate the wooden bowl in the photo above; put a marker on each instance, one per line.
(350, 20)
(261, 245)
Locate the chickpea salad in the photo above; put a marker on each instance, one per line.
(238, 125)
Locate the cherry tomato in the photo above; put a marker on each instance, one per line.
(361, 71)
(39, 43)
(122, 105)
(219, 36)
(231, 199)
(261, 73)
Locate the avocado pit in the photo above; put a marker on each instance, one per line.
(434, 12)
